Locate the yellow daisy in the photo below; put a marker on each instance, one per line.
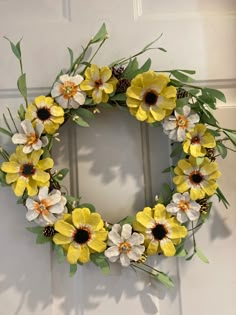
(98, 83)
(149, 98)
(197, 177)
(45, 111)
(197, 140)
(27, 171)
(161, 231)
(83, 234)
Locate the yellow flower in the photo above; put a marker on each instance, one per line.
(197, 140)
(83, 232)
(27, 171)
(198, 177)
(45, 111)
(161, 231)
(98, 83)
(149, 98)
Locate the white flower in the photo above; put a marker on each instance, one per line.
(46, 208)
(175, 126)
(31, 138)
(67, 91)
(124, 244)
(184, 208)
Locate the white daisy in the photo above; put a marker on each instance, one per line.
(31, 137)
(175, 126)
(46, 208)
(184, 208)
(67, 91)
(124, 244)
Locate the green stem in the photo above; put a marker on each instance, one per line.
(4, 154)
(194, 239)
(12, 119)
(194, 228)
(79, 59)
(22, 72)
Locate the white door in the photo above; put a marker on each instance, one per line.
(109, 164)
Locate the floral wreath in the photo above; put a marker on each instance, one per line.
(168, 100)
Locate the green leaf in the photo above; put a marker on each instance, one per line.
(150, 44)
(191, 256)
(222, 150)
(177, 149)
(87, 205)
(21, 112)
(231, 136)
(222, 198)
(101, 34)
(127, 220)
(84, 113)
(165, 279)
(3, 178)
(80, 121)
(216, 93)
(146, 66)
(41, 239)
(162, 49)
(21, 84)
(35, 229)
(61, 174)
(188, 71)
(202, 256)
(181, 253)
(105, 106)
(15, 48)
(182, 101)
(100, 261)
(6, 132)
(71, 57)
(119, 97)
(181, 76)
(131, 69)
(59, 254)
(72, 199)
(168, 169)
(73, 269)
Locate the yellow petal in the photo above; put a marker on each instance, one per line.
(157, 113)
(35, 156)
(11, 177)
(80, 216)
(101, 235)
(84, 255)
(64, 228)
(131, 102)
(141, 114)
(45, 164)
(96, 245)
(105, 74)
(159, 211)
(145, 219)
(50, 127)
(209, 187)
(152, 248)
(196, 193)
(73, 254)
(197, 150)
(169, 92)
(95, 221)
(177, 180)
(167, 247)
(97, 96)
(20, 186)
(60, 239)
(139, 227)
(57, 111)
(31, 187)
(182, 187)
(134, 92)
(41, 176)
(177, 231)
(10, 167)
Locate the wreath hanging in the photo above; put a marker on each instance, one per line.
(169, 100)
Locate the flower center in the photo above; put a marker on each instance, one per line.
(97, 83)
(43, 113)
(159, 232)
(124, 247)
(82, 235)
(150, 97)
(182, 122)
(195, 139)
(41, 207)
(27, 170)
(196, 177)
(183, 205)
(68, 89)
(31, 139)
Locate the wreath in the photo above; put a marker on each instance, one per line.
(168, 99)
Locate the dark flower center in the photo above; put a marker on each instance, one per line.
(150, 98)
(196, 178)
(97, 83)
(81, 236)
(27, 170)
(159, 232)
(195, 140)
(43, 113)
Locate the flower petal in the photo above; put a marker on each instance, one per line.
(65, 228)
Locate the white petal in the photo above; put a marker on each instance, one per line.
(186, 196)
(44, 140)
(40, 221)
(169, 124)
(43, 193)
(62, 101)
(182, 217)
(173, 134)
(172, 208)
(31, 215)
(39, 129)
(50, 218)
(194, 118)
(73, 104)
(136, 252)
(126, 231)
(181, 134)
(112, 251)
(80, 97)
(195, 206)
(37, 145)
(56, 90)
(65, 77)
(53, 199)
(116, 228)
(30, 204)
(114, 237)
(193, 214)
(27, 127)
(136, 239)
(58, 208)
(124, 260)
(77, 79)
(19, 138)
(27, 149)
(186, 110)
(177, 197)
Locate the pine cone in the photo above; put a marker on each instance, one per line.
(117, 71)
(122, 85)
(49, 231)
(204, 205)
(211, 154)
(181, 93)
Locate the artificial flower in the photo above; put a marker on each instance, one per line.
(85, 234)
(124, 244)
(184, 208)
(27, 171)
(31, 137)
(67, 92)
(46, 208)
(149, 98)
(44, 110)
(161, 231)
(98, 83)
(197, 140)
(175, 126)
(197, 176)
